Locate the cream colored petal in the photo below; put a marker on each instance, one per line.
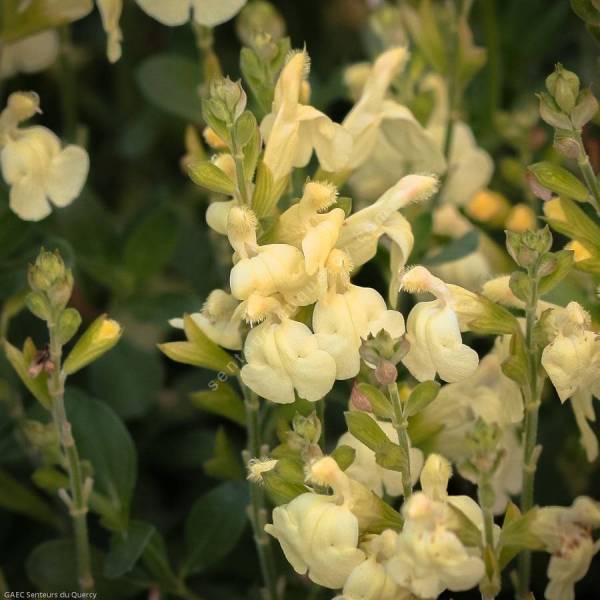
(583, 409)
(167, 12)
(217, 213)
(29, 55)
(335, 333)
(470, 168)
(27, 199)
(418, 360)
(215, 12)
(453, 360)
(409, 142)
(67, 174)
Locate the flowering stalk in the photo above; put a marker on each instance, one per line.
(81, 489)
(583, 162)
(400, 423)
(257, 510)
(238, 157)
(485, 494)
(532, 396)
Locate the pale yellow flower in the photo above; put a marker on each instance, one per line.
(294, 129)
(433, 332)
(39, 171)
(283, 358)
(362, 230)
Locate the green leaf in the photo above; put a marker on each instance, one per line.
(126, 548)
(366, 430)
(18, 498)
(516, 365)
(286, 481)
(559, 180)
(207, 175)
(104, 441)
(222, 401)
(199, 350)
(465, 529)
(586, 11)
(24, 19)
(455, 250)
(132, 391)
(151, 243)
(377, 399)
(214, 526)
(156, 561)
(564, 263)
(52, 567)
(20, 362)
(421, 396)
(517, 535)
(171, 83)
(225, 462)
(343, 456)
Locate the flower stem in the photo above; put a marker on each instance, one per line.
(320, 408)
(587, 172)
(490, 586)
(80, 489)
(257, 509)
(401, 426)
(238, 157)
(531, 394)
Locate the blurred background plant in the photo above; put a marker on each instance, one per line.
(140, 250)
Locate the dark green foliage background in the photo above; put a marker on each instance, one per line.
(141, 251)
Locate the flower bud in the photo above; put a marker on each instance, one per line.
(521, 218)
(359, 400)
(563, 86)
(99, 338)
(308, 428)
(49, 276)
(259, 19)
(552, 114)
(566, 144)
(228, 99)
(580, 252)
(488, 207)
(386, 372)
(585, 109)
(38, 305)
(68, 324)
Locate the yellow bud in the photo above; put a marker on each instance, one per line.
(488, 207)
(99, 338)
(553, 210)
(521, 218)
(580, 252)
(213, 140)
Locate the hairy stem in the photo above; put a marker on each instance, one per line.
(238, 157)
(257, 509)
(587, 172)
(78, 500)
(320, 408)
(531, 394)
(491, 584)
(401, 426)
